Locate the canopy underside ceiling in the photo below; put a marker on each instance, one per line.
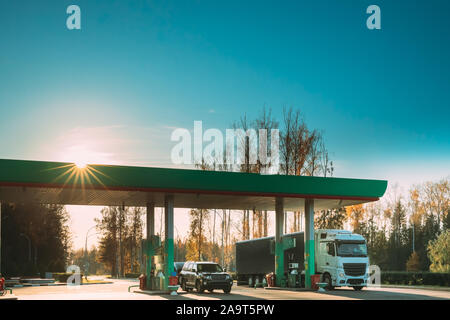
(140, 199)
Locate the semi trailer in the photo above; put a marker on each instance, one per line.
(340, 259)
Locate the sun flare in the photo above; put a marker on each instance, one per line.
(80, 164)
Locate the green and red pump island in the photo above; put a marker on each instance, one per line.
(110, 185)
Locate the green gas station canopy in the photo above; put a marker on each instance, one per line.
(65, 183)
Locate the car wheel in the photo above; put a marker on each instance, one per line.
(199, 287)
(227, 290)
(183, 285)
(357, 288)
(328, 281)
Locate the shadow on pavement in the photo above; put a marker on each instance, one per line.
(208, 295)
(380, 294)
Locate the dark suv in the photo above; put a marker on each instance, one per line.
(204, 276)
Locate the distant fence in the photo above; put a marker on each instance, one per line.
(415, 278)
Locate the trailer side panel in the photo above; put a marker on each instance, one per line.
(254, 257)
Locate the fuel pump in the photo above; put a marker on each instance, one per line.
(293, 275)
(152, 253)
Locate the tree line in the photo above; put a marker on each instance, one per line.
(406, 232)
(121, 230)
(35, 239)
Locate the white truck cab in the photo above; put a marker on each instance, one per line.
(341, 258)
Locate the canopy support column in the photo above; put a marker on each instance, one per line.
(150, 220)
(150, 217)
(309, 241)
(279, 252)
(168, 244)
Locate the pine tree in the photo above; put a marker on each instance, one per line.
(439, 253)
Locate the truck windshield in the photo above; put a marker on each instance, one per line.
(209, 267)
(351, 249)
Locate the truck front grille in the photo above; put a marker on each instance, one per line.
(355, 269)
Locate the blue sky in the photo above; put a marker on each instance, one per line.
(137, 69)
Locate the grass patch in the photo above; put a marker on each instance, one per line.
(87, 281)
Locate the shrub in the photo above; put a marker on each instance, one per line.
(132, 275)
(415, 278)
(413, 263)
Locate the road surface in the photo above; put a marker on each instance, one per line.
(118, 290)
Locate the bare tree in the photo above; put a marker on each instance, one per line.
(286, 141)
(299, 145)
(326, 165)
(299, 151)
(313, 156)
